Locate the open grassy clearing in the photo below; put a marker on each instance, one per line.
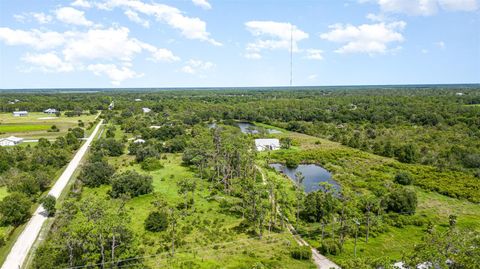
(213, 238)
(36, 125)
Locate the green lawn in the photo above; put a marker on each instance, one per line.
(36, 124)
(17, 128)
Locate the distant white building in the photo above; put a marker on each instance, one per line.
(20, 113)
(155, 127)
(146, 110)
(459, 94)
(139, 141)
(138, 100)
(50, 111)
(10, 141)
(267, 144)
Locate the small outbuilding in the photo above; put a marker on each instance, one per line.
(50, 111)
(20, 113)
(10, 141)
(139, 141)
(267, 144)
(146, 110)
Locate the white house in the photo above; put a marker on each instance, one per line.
(139, 141)
(146, 110)
(50, 111)
(459, 94)
(138, 100)
(10, 141)
(267, 144)
(20, 113)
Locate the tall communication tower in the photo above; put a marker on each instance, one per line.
(291, 55)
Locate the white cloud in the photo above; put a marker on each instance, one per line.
(116, 74)
(253, 55)
(312, 77)
(202, 3)
(190, 27)
(71, 15)
(314, 54)
(48, 62)
(159, 54)
(459, 5)
(197, 66)
(365, 38)
(36, 39)
(100, 48)
(39, 17)
(82, 3)
(424, 51)
(440, 45)
(273, 35)
(133, 16)
(425, 7)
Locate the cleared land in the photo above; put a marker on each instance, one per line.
(37, 124)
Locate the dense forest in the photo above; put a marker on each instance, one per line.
(184, 176)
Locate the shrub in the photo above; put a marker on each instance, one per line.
(131, 183)
(15, 209)
(291, 163)
(78, 132)
(49, 203)
(401, 200)
(96, 173)
(110, 146)
(151, 164)
(156, 221)
(301, 253)
(403, 178)
(329, 246)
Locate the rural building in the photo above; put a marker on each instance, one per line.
(139, 141)
(267, 144)
(50, 111)
(20, 113)
(138, 100)
(10, 141)
(146, 110)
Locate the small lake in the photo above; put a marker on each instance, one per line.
(248, 128)
(314, 175)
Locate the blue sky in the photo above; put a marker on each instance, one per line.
(202, 43)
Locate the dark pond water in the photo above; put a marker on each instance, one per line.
(314, 175)
(248, 128)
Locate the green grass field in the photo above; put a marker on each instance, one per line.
(213, 244)
(36, 125)
(18, 128)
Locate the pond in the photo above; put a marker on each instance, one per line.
(248, 128)
(314, 175)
